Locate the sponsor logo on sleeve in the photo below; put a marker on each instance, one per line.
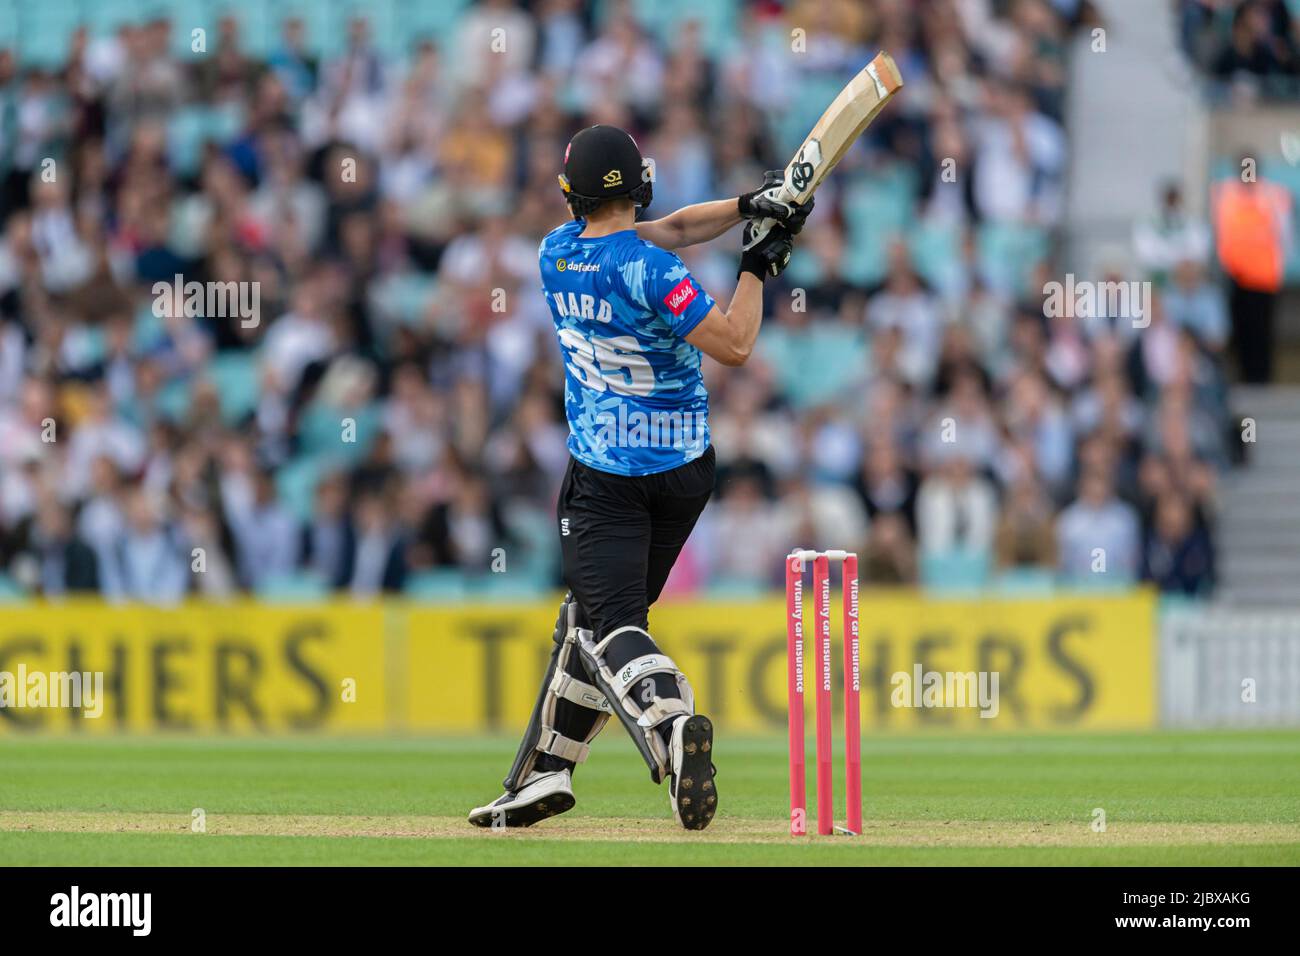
(680, 297)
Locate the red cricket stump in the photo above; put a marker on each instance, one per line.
(822, 622)
(795, 564)
(852, 694)
(794, 689)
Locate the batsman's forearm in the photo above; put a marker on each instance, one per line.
(745, 314)
(704, 221)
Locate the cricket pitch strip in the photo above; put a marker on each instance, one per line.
(893, 833)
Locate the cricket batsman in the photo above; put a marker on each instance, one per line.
(631, 323)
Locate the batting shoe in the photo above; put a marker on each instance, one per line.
(691, 789)
(543, 795)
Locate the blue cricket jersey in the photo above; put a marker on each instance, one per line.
(633, 392)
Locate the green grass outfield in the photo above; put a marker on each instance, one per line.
(1169, 799)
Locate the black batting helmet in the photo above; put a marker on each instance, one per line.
(603, 162)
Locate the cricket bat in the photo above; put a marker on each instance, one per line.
(851, 112)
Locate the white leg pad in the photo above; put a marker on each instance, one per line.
(640, 716)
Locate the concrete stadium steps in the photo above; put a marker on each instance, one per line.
(1259, 523)
(1122, 145)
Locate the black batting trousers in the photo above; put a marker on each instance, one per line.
(620, 536)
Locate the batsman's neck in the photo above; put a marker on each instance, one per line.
(609, 218)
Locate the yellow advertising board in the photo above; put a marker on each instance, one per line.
(240, 667)
(1064, 662)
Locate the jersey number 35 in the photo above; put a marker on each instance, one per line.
(613, 364)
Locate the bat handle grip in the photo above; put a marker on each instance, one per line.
(755, 235)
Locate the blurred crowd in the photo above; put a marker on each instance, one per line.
(1251, 46)
(389, 416)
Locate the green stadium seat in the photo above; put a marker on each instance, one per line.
(726, 588)
(439, 585)
(299, 587)
(186, 133)
(512, 585)
(10, 30)
(295, 483)
(45, 32)
(318, 21)
(838, 352)
(92, 345)
(11, 590)
(1112, 583)
(187, 16)
(226, 121)
(1184, 603)
(404, 296)
(321, 428)
(1025, 582)
(956, 572)
(534, 528)
(174, 399)
(104, 17)
(1008, 253)
(387, 29)
(571, 97)
(936, 254)
(804, 270)
(235, 375)
(806, 107)
(421, 19)
(190, 127)
(718, 20)
(258, 26)
(878, 209)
